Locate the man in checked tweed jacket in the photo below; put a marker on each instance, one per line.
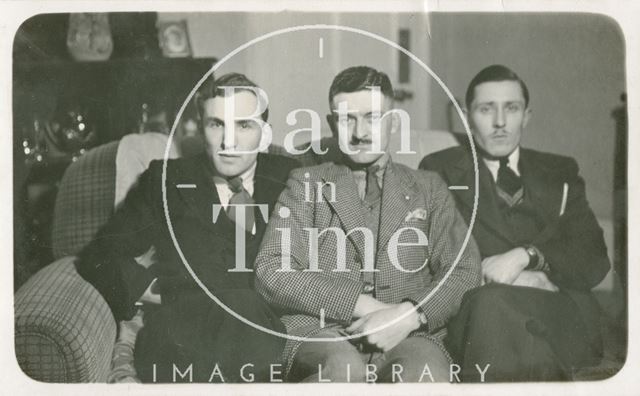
(383, 208)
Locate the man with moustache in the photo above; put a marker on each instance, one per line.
(368, 202)
(542, 248)
(182, 325)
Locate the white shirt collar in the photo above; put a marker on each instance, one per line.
(494, 165)
(247, 181)
(224, 190)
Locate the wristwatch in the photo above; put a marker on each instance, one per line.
(532, 252)
(422, 317)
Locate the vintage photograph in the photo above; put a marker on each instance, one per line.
(320, 197)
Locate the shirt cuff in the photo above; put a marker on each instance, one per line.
(419, 311)
(149, 294)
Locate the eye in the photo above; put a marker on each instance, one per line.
(245, 124)
(513, 107)
(213, 123)
(371, 117)
(484, 109)
(346, 120)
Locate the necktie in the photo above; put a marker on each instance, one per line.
(372, 191)
(507, 180)
(240, 197)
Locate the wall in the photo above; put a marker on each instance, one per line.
(573, 65)
(289, 67)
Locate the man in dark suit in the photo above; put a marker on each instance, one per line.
(204, 197)
(386, 238)
(542, 248)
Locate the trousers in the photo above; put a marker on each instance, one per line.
(524, 333)
(415, 359)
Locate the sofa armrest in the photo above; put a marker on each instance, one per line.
(64, 330)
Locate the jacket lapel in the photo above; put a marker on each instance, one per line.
(347, 204)
(543, 189)
(398, 198)
(266, 189)
(199, 200)
(488, 211)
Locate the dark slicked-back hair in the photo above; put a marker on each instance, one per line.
(494, 73)
(211, 88)
(358, 78)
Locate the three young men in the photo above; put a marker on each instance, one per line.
(363, 260)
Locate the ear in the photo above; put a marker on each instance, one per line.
(266, 138)
(332, 125)
(526, 117)
(395, 122)
(467, 116)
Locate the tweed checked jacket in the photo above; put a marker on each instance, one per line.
(410, 198)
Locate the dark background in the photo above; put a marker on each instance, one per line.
(111, 93)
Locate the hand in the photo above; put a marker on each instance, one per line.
(505, 267)
(392, 335)
(367, 304)
(537, 279)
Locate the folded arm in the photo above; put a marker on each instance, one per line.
(109, 263)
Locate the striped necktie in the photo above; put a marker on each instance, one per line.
(240, 197)
(509, 183)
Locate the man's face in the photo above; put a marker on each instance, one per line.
(497, 116)
(359, 124)
(221, 143)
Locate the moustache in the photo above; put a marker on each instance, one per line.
(354, 141)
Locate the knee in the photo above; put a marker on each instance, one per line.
(422, 360)
(333, 361)
(492, 296)
(344, 365)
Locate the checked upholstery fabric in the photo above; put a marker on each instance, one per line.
(64, 330)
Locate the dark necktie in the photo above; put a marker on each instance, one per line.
(372, 191)
(241, 197)
(507, 180)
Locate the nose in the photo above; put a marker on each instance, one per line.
(498, 118)
(228, 138)
(360, 130)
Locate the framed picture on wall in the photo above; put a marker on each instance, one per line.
(174, 39)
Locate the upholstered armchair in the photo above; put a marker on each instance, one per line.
(64, 330)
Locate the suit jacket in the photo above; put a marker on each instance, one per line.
(410, 198)
(108, 262)
(572, 243)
